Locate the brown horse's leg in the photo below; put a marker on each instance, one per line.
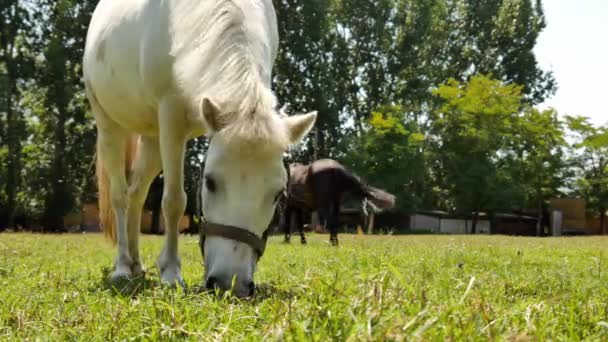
(333, 222)
(287, 223)
(327, 211)
(327, 193)
(299, 223)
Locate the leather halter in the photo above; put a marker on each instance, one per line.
(233, 233)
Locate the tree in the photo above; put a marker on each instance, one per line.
(197, 148)
(17, 24)
(305, 69)
(539, 163)
(474, 124)
(389, 155)
(368, 67)
(592, 164)
(69, 133)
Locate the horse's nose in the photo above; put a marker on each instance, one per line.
(251, 288)
(241, 289)
(211, 283)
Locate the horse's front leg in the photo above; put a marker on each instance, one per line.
(172, 141)
(147, 166)
(287, 223)
(333, 221)
(112, 143)
(300, 224)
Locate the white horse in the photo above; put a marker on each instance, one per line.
(158, 73)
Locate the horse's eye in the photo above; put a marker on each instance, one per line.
(210, 184)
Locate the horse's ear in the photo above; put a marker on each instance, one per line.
(299, 125)
(211, 113)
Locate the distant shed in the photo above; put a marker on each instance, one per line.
(574, 215)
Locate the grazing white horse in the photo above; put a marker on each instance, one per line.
(158, 73)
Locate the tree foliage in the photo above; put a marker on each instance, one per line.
(591, 163)
(474, 124)
(431, 99)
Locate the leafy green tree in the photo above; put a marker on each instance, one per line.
(591, 163)
(17, 23)
(305, 66)
(68, 131)
(369, 67)
(474, 124)
(197, 148)
(389, 155)
(540, 167)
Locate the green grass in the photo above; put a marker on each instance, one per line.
(370, 288)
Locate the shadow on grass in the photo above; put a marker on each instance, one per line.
(271, 291)
(145, 284)
(125, 287)
(262, 293)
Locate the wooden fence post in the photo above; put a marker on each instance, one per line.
(370, 223)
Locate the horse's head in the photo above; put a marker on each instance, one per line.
(244, 177)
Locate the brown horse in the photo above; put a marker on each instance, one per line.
(321, 186)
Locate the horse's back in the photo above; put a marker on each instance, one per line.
(298, 187)
(139, 51)
(126, 62)
(325, 164)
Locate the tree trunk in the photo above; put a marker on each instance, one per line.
(315, 152)
(156, 196)
(58, 203)
(193, 226)
(155, 225)
(539, 218)
(474, 222)
(603, 220)
(492, 223)
(13, 143)
(14, 150)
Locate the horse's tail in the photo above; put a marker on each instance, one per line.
(380, 199)
(106, 215)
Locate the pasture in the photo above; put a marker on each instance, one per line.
(52, 287)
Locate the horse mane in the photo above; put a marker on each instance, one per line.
(240, 61)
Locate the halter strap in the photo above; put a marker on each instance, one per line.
(234, 233)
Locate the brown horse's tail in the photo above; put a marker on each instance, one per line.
(380, 199)
(106, 215)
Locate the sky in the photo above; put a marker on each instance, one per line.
(574, 45)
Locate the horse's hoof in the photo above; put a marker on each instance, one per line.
(172, 278)
(121, 282)
(119, 277)
(334, 242)
(174, 283)
(287, 240)
(121, 273)
(303, 241)
(138, 270)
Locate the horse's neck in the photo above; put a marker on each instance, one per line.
(221, 50)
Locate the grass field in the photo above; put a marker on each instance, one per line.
(370, 288)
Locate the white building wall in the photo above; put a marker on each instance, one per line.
(420, 222)
(459, 226)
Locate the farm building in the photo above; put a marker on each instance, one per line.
(573, 215)
(575, 218)
(446, 223)
(575, 221)
(441, 222)
(88, 220)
